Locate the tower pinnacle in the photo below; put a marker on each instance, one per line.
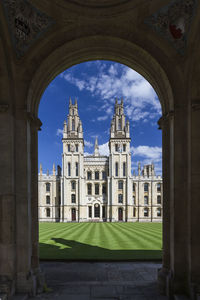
(96, 148)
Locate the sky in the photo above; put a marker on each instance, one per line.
(96, 85)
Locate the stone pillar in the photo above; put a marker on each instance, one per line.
(35, 125)
(25, 279)
(7, 202)
(194, 209)
(166, 124)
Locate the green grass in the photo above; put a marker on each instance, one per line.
(100, 241)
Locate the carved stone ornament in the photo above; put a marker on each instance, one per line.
(26, 24)
(173, 22)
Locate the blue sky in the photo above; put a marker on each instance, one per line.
(96, 84)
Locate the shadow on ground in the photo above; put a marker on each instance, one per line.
(84, 252)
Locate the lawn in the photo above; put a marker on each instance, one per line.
(100, 241)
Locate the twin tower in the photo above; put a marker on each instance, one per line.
(96, 187)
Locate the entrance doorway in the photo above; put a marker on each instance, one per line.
(73, 214)
(97, 211)
(120, 214)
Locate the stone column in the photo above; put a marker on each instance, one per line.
(166, 124)
(26, 281)
(7, 202)
(194, 209)
(35, 125)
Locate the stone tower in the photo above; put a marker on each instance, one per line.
(72, 161)
(119, 165)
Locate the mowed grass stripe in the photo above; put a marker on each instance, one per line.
(100, 241)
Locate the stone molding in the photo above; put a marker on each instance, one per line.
(164, 118)
(34, 120)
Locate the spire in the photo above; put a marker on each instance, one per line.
(96, 148)
(139, 168)
(76, 102)
(40, 169)
(54, 169)
(70, 101)
(122, 101)
(116, 101)
(47, 172)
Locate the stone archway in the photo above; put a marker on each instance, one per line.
(114, 32)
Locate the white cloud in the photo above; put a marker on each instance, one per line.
(102, 118)
(59, 132)
(120, 81)
(150, 153)
(88, 144)
(103, 149)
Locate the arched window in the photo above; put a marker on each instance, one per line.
(96, 189)
(146, 187)
(116, 169)
(76, 169)
(76, 147)
(103, 175)
(120, 198)
(124, 147)
(96, 175)
(133, 199)
(159, 187)
(47, 187)
(146, 212)
(97, 210)
(73, 198)
(89, 189)
(90, 211)
(133, 187)
(159, 212)
(73, 125)
(69, 169)
(47, 199)
(68, 147)
(73, 185)
(89, 175)
(146, 200)
(120, 185)
(158, 199)
(48, 212)
(124, 169)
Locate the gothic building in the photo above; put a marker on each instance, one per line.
(96, 187)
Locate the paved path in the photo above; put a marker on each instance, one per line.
(100, 281)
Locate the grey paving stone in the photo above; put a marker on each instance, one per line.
(106, 291)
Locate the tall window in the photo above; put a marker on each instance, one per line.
(96, 189)
(73, 185)
(73, 125)
(133, 199)
(68, 147)
(120, 185)
(104, 189)
(116, 147)
(89, 175)
(146, 200)
(120, 124)
(103, 175)
(158, 212)
(146, 187)
(133, 187)
(159, 187)
(120, 198)
(89, 189)
(76, 169)
(96, 175)
(103, 211)
(146, 212)
(97, 211)
(48, 212)
(158, 199)
(124, 169)
(90, 211)
(69, 169)
(47, 199)
(116, 169)
(76, 147)
(47, 187)
(73, 198)
(124, 147)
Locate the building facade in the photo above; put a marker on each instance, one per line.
(99, 188)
